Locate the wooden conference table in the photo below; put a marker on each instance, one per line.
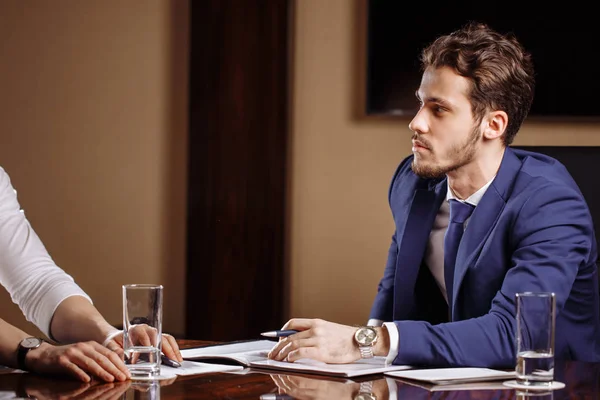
(582, 382)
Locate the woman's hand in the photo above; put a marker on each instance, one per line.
(83, 361)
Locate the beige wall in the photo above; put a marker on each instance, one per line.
(341, 166)
(93, 125)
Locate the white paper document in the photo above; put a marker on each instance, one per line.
(395, 390)
(447, 376)
(375, 365)
(196, 368)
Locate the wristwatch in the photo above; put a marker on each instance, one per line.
(26, 344)
(365, 391)
(365, 337)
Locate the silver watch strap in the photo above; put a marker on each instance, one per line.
(366, 387)
(366, 351)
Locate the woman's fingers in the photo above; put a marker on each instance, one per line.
(171, 348)
(90, 358)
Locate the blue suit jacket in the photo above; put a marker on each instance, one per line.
(531, 231)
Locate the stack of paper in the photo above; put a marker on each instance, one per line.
(196, 368)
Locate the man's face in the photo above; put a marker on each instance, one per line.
(445, 135)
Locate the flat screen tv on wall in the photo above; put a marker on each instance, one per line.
(563, 45)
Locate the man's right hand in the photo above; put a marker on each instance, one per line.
(82, 361)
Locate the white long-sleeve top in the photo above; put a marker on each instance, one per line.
(35, 283)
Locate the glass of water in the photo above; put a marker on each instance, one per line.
(536, 314)
(142, 329)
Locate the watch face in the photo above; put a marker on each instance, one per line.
(366, 336)
(31, 343)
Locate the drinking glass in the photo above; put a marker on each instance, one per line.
(142, 329)
(536, 313)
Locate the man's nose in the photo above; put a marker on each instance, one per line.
(418, 123)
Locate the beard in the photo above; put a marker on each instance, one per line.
(460, 155)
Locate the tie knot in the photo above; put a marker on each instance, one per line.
(459, 211)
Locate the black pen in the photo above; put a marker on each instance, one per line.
(164, 360)
(283, 333)
(167, 361)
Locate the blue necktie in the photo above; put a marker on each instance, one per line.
(459, 212)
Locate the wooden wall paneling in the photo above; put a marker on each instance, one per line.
(237, 168)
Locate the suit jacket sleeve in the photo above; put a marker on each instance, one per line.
(383, 305)
(550, 239)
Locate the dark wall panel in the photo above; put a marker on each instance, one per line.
(238, 139)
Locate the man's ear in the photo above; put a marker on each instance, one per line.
(495, 125)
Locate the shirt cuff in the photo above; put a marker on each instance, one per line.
(374, 322)
(394, 342)
(392, 387)
(114, 333)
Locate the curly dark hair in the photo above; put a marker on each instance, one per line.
(499, 69)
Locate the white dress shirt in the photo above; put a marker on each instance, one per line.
(434, 257)
(35, 283)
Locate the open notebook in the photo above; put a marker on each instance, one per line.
(254, 354)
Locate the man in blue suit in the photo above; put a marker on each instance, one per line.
(476, 222)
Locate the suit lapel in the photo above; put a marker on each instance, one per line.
(424, 207)
(484, 219)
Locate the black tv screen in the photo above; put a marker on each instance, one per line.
(563, 45)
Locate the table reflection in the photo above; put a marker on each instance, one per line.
(26, 385)
(317, 388)
(582, 381)
(534, 395)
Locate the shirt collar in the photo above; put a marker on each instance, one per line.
(473, 199)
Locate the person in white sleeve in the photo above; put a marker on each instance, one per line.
(87, 346)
